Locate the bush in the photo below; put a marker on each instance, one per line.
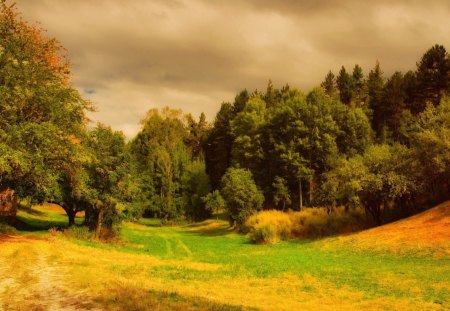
(269, 227)
(214, 202)
(79, 233)
(317, 222)
(85, 234)
(110, 234)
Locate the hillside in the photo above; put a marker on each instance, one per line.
(425, 233)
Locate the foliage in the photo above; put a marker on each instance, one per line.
(359, 141)
(42, 117)
(375, 85)
(214, 202)
(241, 195)
(245, 128)
(281, 193)
(344, 83)
(381, 175)
(433, 77)
(160, 157)
(107, 173)
(166, 158)
(320, 222)
(195, 185)
(429, 137)
(218, 144)
(329, 84)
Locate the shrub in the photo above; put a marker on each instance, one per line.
(78, 232)
(110, 234)
(54, 231)
(268, 227)
(317, 222)
(214, 202)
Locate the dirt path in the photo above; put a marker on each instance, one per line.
(31, 280)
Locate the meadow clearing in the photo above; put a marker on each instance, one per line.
(207, 266)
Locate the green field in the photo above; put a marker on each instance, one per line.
(209, 267)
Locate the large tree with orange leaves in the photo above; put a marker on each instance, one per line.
(42, 117)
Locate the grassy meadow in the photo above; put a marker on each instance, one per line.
(207, 266)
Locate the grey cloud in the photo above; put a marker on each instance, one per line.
(195, 54)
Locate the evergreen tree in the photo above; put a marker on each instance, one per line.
(375, 86)
(329, 84)
(394, 96)
(344, 83)
(359, 86)
(433, 77)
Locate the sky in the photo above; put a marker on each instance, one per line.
(129, 56)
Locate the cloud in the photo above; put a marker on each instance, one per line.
(130, 56)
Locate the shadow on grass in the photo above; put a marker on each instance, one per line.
(209, 230)
(150, 222)
(211, 233)
(21, 224)
(128, 297)
(31, 211)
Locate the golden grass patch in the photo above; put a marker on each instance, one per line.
(53, 272)
(426, 234)
(99, 275)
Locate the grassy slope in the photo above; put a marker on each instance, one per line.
(211, 268)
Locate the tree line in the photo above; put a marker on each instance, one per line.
(355, 141)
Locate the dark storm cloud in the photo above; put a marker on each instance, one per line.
(135, 55)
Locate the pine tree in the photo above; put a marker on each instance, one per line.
(345, 86)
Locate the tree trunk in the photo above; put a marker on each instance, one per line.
(71, 214)
(98, 225)
(375, 212)
(300, 192)
(8, 203)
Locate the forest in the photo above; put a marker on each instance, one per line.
(358, 141)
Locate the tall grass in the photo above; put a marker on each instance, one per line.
(268, 227)
(271, 226)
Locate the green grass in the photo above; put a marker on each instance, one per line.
(345, 267)
(417, 280)
(40, 218)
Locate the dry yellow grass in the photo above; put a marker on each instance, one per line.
(32, 279)
(52, 273)
(426, 233)
(269, 227)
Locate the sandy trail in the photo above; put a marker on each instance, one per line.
(31, 280)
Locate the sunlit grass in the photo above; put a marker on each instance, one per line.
(207, 266)
(43, 217)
